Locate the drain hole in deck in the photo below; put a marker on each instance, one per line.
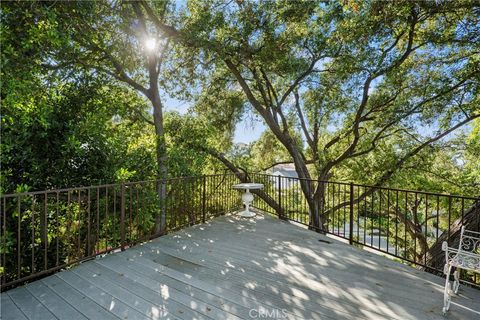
(325, 241)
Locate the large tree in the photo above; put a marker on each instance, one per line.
(343, 75)
(113, 39)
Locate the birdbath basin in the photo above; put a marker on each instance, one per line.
(247, 197)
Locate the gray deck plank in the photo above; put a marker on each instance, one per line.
(405, 291)
(156, 282)
(8, 309)
(260, 238)
(153, 269)
(270, 284)
(30, 306)
(255, 300)
(240, 262)
(77, 300)
(107, 301)
(229, 266)
(252, 290)
(401, 279)
(127, 290)
(134, 302)
(53, 302)
(329, 305)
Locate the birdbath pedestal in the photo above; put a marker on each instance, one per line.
(247, 197)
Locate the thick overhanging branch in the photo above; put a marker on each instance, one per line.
(242, 175)
(400, 163)
(297, 81)
(407, 113)
(365, 95)
(285, 162)
(303, 123)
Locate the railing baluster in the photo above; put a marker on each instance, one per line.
(449, 217)
(45, 233)
(114, 216)
(137, 218)
(97, 238)
(426, 229)
(388, 220)
(57, 229)
(344, 211)
(204, 190)
(365, 214)
(89, 248)
(437, 227)
(405, 254)
(415, 221)
(380, 219)
(280, 198)
(350, 231)
(372, 212)
(358, 213)
(463, 211)
(105, 227)
(32, 270)
(327, 205)
(397, 213)
(333, 206)
(4, 238)
(130, 209)
(19, 239)
(79, 193)
(122, 217)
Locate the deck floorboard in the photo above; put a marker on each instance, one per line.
(233, 268)
(29, 305)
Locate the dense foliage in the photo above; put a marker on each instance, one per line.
(372, 92)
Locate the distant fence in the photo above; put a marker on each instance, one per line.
(406, 224)
(45, 231)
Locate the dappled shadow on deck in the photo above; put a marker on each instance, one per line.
(234, 268)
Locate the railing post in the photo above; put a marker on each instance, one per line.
(350, 231)
(204, 192)
(279, 186)
(122, 217)
(449, 217)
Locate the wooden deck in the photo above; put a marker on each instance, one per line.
(239, 269)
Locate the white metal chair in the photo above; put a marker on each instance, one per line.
(466, 257)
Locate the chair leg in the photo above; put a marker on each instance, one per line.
(447, 291)
(456, 283)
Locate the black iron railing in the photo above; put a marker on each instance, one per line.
(44, 231)
(406, 224)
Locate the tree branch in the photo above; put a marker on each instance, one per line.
(297, 81)
(399, 164)
(169, 31)
(302, 121)
(285, 162)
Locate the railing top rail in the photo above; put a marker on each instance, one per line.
(477, 198)
(128, 183)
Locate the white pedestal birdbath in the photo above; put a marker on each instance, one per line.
(247, 197)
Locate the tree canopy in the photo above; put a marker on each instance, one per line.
(384, 93)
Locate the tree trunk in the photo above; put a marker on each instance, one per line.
(161, 153)
(471, 221)
(306, 183)
(319, 205)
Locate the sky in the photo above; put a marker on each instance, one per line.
(247, 130)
